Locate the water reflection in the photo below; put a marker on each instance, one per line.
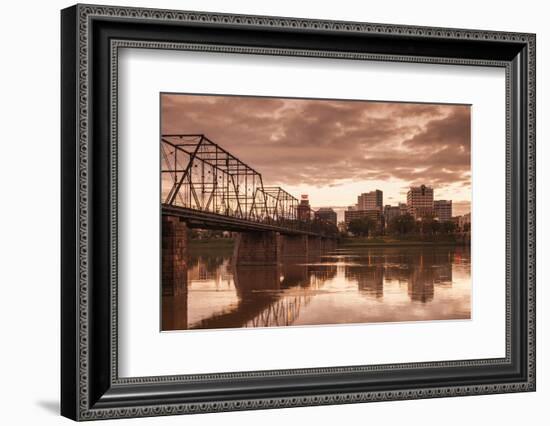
(345, 286)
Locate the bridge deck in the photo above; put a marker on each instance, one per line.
(207, 220)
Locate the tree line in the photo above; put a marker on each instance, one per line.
(402, 225)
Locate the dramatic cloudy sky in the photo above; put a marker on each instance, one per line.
(333, 150)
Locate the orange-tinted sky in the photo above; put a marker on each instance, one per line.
(334, 150)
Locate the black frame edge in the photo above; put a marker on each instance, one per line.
(69, 189)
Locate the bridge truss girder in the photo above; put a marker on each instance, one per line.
(198, 174)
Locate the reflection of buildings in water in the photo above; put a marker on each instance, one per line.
(420, 270)
(430, 267)
(271, 296)
(373, 282)
(443, 275)
(319, 274)
(462, 257)
(368, 273)
(421, 285)
(217, 269)
(208, 262)
(306, 273)
(370, 279)
(396, 272)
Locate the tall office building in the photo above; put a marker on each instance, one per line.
(464, 222)
(327, 214)
(420, 201)
(443, 210)
(304, 209)
(391, 212)
(370, 201)
(375, 215)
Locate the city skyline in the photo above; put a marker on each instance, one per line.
(340, 210)
(334, 150)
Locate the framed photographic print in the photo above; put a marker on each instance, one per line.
(263, 212)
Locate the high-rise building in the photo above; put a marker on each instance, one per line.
(443, 210)
(420, 201)
(375, 215)
(391, 212)
(456, 220)
(326, 214)
(370, 201)
(304, 209)
(464, 222)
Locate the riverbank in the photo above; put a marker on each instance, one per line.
(388, 241)
(384, 241)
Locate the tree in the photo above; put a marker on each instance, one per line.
(448, 227)
(403, 224)
(429, 226)
(362, 226)
(343, 228)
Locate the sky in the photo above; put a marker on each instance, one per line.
(334, 150)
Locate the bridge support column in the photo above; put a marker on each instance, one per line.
(174, 256)
(294, 245)
(314, 245)
(256, 248)
(328, 244)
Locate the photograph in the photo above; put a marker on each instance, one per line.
(282, 211)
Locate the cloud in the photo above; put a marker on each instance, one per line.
(321, 142)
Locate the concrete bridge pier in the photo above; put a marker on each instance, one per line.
(328, 244)
(174, 256)
(294, 245)
(256, 248)
(314, 245)
(174, 312)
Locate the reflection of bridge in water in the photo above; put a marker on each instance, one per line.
(281, 313)
(269, 296)
(276, 295)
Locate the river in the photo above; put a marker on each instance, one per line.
(345, 286)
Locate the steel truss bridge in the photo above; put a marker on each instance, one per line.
(211, 188)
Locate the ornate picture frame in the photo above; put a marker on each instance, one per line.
(91, 38)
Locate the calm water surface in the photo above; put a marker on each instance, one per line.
(354, 285)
